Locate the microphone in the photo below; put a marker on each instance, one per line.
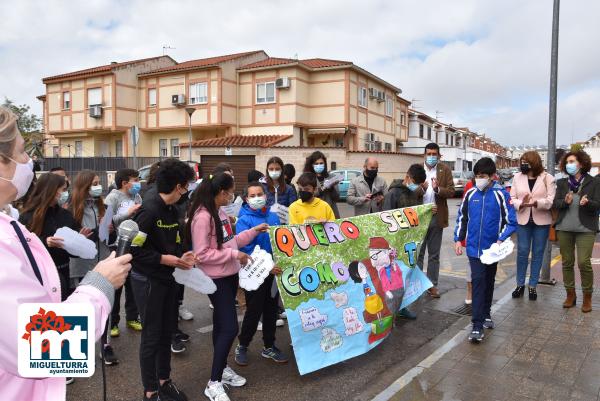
(127, 231)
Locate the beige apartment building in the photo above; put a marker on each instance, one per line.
(90, 112)
(306, 103)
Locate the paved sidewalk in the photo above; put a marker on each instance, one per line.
(538, 351)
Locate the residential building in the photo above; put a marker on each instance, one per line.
(90, 112)
(319, 102)
(460, 148)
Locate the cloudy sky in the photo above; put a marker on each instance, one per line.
(484, 64)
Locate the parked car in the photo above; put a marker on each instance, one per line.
(145, 171)
(460, 180)
(347, 176)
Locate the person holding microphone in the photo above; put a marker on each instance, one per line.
(28, 273)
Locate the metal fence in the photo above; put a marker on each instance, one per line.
(101, 165)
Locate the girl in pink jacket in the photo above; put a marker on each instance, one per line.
(34, 278)
(217, 252)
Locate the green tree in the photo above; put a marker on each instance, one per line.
(576, 147)
(30, 126)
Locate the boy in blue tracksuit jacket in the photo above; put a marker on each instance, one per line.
(486, 216)
(259, 302)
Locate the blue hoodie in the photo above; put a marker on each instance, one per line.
(485, 217)
(249, 218)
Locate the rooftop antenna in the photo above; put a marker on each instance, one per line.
(296, 56)
(437, 114)
(167, 47)
(412, 103)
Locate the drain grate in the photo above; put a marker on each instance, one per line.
(464, 309)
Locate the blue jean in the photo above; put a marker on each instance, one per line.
(483, 277)
(530, 237)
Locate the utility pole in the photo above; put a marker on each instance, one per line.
(545, 277)
(190, 111)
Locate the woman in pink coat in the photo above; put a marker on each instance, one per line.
(532, 194)
(25, 280)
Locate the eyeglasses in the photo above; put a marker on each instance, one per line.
(376, 255)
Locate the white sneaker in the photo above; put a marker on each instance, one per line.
(211, 306)
(259, 327)
(184, 313)
(232, 378)
(216, 392)
(279, 323)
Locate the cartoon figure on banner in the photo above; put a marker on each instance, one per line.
(386, 276)
(374, 308)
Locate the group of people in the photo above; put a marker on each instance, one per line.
(183, 223)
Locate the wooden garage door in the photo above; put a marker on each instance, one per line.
(241, 166)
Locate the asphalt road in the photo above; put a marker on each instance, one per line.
(356, 379)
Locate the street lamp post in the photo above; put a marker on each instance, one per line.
(545, 277)
(190, 111)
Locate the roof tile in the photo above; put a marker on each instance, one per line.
(95, 70)
(243, 141)
(310, 63)
(202, 62)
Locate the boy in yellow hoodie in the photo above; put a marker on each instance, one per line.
(309, 208)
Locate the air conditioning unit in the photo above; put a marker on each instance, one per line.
(178, 100)
(370, 141)
(96, 111)
(373, 93)
(282, 83)
(381, 96)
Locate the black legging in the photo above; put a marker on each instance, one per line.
(225, 322)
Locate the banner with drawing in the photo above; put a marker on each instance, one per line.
(343, 281)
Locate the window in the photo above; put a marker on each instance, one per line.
(94, 96)
(55, 151)
(421, 130)
(162, 148)
(78, 149)
(198, 93)
(402, 118)
(338, 142)
(389, 107)
(447, 139)
(452, 140)
(152, 97)
(265, 92)
(429, 133)
(175, 147)
(119, 148)
(362, 96)
(388, 147)
(66, 100)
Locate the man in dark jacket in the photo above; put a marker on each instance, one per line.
(404, 193)
(157, 250)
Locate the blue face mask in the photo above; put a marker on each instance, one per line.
(431, 161)
(412, 186)
(135, 189)
(319, 168)
(64, 197)
(572, 168)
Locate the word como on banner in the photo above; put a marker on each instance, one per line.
(342, 281)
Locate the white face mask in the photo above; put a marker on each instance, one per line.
(274, 174)
(22, 177)
(257, 203)
(481, 183)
